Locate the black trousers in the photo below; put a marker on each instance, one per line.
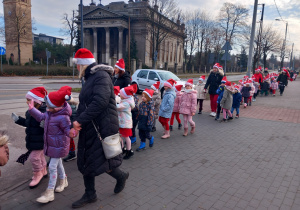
(281, 88)
(134, 122)
(218, 111)
(200, 102)
(144, 135)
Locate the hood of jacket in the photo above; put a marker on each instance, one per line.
(191, 92)
(200, 84)
(171, 92)
(229, 90)
(130, 101)
(221, 72)
(66, 110)
(102, 67)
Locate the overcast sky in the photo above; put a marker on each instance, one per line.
(48, 14)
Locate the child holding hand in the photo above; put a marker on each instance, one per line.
(176, 108)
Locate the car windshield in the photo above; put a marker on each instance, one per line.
(167, 76)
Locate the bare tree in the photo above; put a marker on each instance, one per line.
(70, 29)
(19, 27)
(232, 17)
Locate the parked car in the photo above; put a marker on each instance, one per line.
(145, 78)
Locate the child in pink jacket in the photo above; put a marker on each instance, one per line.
(188, 106)
(274, 86)
(176, 108)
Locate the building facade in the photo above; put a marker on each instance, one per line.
(47, 38)
(18, 30)
(106, 31)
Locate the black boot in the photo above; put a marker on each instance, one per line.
(171, 127)
(121, 178)
(128, 154)
(90, 193)
(179, 126)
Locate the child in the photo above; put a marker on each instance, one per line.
(156, 98)
(226, 102)
(188, 106)
(34, 136)
(220, 92)
(166, 107)
(125, 118)
(117, 94)
(4, 151)
(252, 91)
(274, 86)
(56, 137)
(256, 86)
(246, 92)
(146, 119)
(201, 95)
(134, 113)
(176, 108)
(72, 154)
(236, 100)
(265, 87)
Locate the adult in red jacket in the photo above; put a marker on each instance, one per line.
(213, 82)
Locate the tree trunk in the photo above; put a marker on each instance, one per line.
(19, 51)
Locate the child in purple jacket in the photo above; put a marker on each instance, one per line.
(56, 137)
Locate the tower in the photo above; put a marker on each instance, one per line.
(18, 30)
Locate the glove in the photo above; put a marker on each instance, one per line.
(42, 123)
(14, 117)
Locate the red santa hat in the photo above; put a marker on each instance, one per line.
(257, 69)
(217, 65)
(148, 93)
(228, 83)
(58, 98)
(116, 90)
(37, 94)
(155, 86)
(202, 78)
(224, 79)
(178, 88)
(190, 82)
(236, 87)
(260, 68)
(84, 57)
(135, 88)
(120, 64)
(170, 83)
(127, 92)
(241, 81)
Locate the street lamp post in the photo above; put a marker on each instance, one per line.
(283, 45)
(81, 23)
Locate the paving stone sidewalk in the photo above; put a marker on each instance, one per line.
(244, 164)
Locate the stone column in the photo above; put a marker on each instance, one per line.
(120, 54)
(107, 41)
(95, 44)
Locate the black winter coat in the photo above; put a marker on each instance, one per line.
(123, 81)
(98, 95)
(213, 81)
(283, 78)
(34, 133)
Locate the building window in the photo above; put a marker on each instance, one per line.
(171, 52)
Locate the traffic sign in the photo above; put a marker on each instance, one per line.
(227, 46)
(2, 51)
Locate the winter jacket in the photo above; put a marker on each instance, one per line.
(34, 133)
(265, 86)
(246, 91)
(177, 101)
(74, 111)
(146, 116)
(213, 82)
(258, 78)
(56, 130)
(252, 90)
(156, 98)
(167, 104)
(188, 102)
(4, 151)
(283, 78)
(98, 95)
(220, 92)
(274, 85)
(124, 112)
(123, 81)
(236, 100)
(226, 102)
(200, 91)
(256, 85)
(135, 110)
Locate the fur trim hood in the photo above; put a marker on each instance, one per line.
(229, 90)
(221, 72)
(102, 67)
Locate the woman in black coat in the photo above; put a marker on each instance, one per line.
(96, 103)
(121, 77)
(283, 81)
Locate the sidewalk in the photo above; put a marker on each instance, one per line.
(250, 163)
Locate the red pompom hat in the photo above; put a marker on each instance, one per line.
(228, 83)
(37, 94)
(58, 98)
(116, 90)
(120, 64)
(202, 78)
(84, 57)
(127, 92)
(135, 88)
(178, 87)
(190, 82)
(155, 86)
(170, 83)
(217, 65)
(224, 79)
(148, 92)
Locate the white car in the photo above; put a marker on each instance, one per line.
(145, 78)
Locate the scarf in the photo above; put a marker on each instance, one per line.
(22, 159)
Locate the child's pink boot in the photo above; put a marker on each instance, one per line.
(166, 135)
(37, 177)
(193, 130)
(186, 130)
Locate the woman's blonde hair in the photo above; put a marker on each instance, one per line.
(82, 70)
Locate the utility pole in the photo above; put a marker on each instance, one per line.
(81, 24)
(260, 33)
(283, 45)
(129, 60)
(252, 38)
(291, 58)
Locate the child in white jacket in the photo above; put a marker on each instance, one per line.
(201, 95)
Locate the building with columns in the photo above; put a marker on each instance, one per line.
(106, 31)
